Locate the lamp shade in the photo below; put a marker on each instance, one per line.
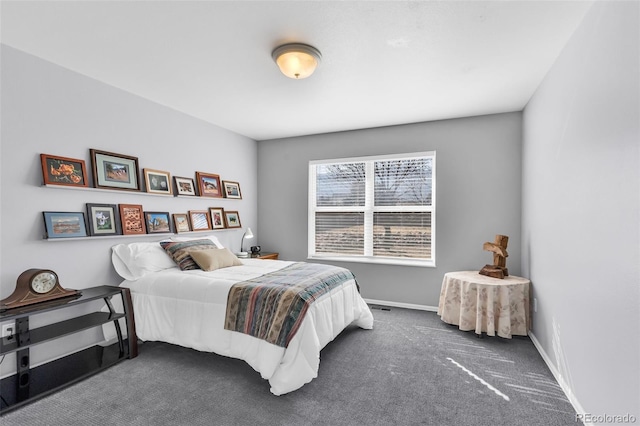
(296, 60)
(248, 235)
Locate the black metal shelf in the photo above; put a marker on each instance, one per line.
(30, 384)
(88, 294)
(60, 329)
(56, 375)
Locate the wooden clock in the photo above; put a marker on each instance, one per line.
(35, 286)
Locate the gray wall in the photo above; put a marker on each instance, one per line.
(581, 188)
(478, 162)
(48, 109)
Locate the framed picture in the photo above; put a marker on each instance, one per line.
(231, 189)
(157, 181)
(200, 220)
(217, 217)
(64, 224)
(232, 219)
(63, 171)
(184, 186)
(181, 222)
(208, 184)
(158, 222)
(104, 219)
(114, 171)
(132, 219)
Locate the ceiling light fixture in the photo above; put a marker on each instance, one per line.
(296, 60)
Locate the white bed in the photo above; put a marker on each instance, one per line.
(188, 308)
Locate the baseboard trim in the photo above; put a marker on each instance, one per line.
(563, 385)
(402, 305)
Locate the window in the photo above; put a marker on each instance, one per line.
(373, 209)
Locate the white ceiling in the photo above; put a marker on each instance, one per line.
(384, 62)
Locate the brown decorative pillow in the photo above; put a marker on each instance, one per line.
(180, 251)
(215, 258)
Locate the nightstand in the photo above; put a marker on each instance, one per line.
(264, 255)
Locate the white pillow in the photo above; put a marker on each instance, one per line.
(213, 239)
(134, 260)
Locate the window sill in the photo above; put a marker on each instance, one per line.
(377, 260)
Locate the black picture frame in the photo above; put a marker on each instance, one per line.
(115, 171)
(158, 222)
(104, 219)
(231, 189)
(185, 186)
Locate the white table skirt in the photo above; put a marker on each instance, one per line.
(485, 304)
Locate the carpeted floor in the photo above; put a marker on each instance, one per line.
(411, 369)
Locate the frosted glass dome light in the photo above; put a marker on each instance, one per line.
(296, 60)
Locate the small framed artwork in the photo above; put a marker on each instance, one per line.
(200, 220)
(132, 219)
(184, 186)
(232, 219)
(64, 224)
(217, 217)
(114, 171)
(181, 222)
(158, 222)
(104, 219)
(231, 189)
(63, 171)
(157, 182)
(208, 184)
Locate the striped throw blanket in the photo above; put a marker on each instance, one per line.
(271, 307)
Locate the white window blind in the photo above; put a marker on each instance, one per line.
(373, 209)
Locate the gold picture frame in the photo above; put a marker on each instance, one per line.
(157, 182)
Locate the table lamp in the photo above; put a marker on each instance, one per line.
(248, 235)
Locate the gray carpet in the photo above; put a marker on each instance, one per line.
(412, 369)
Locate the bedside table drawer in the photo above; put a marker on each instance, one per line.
(265, 255)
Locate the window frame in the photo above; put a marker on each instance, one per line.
(369, 209)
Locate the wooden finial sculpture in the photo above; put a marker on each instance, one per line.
(499, 249)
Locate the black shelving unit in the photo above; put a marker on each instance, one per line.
(29, 384)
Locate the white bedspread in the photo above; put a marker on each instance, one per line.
(188, 308)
